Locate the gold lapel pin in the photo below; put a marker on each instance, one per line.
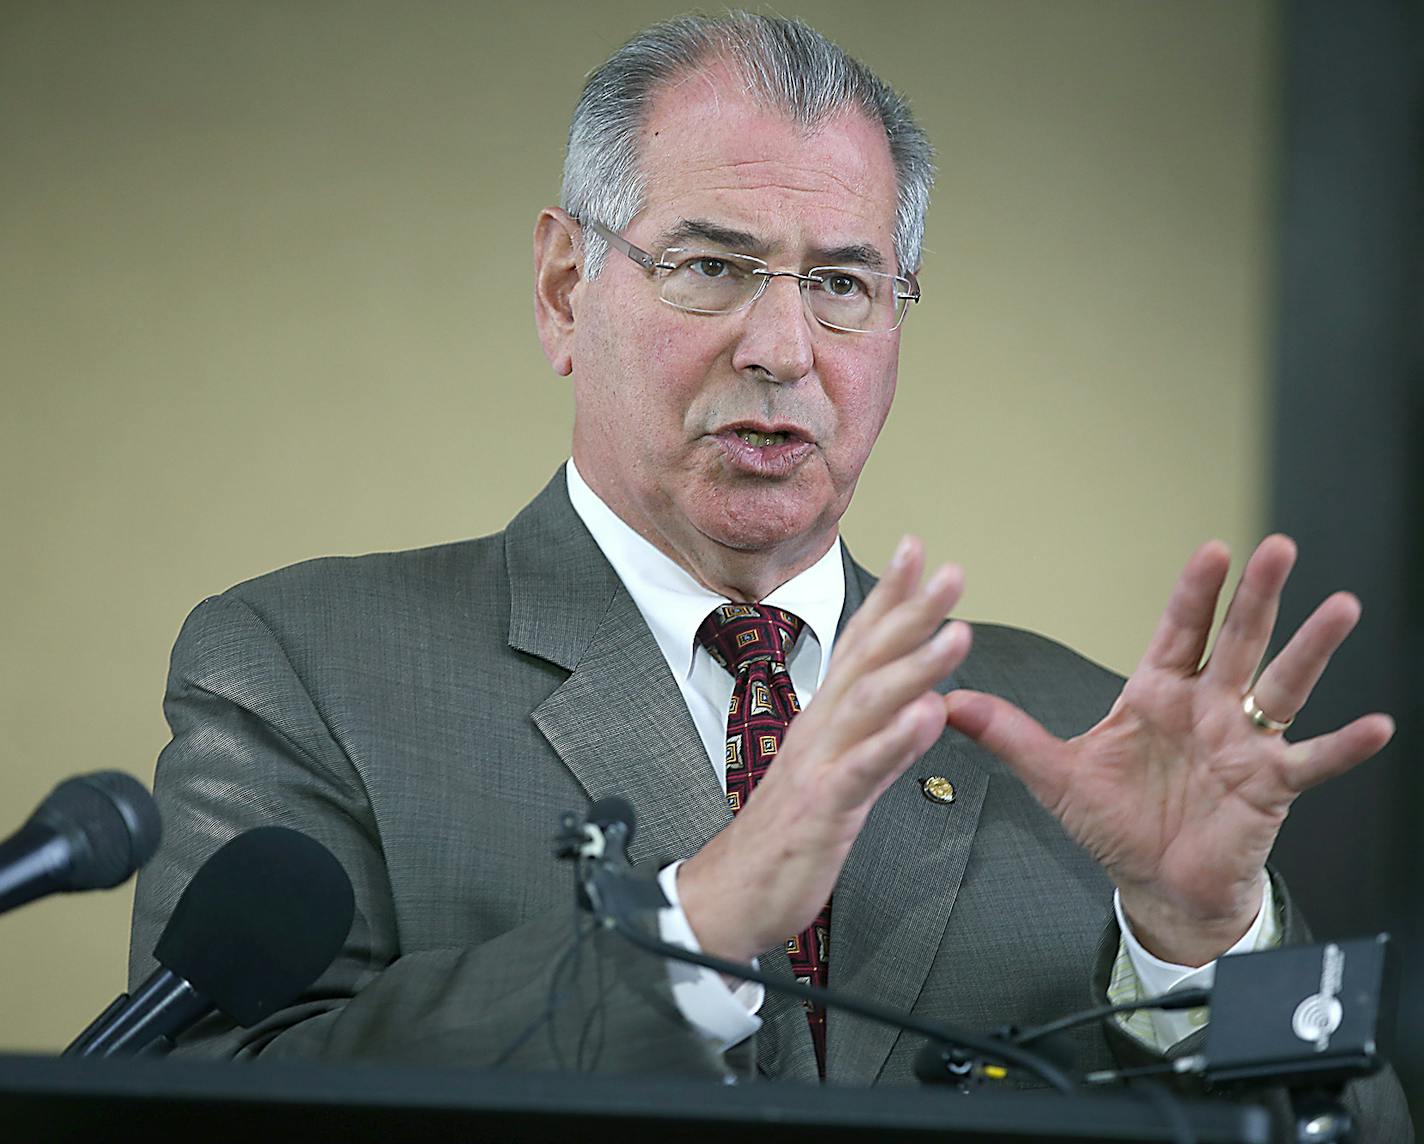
(937, 788)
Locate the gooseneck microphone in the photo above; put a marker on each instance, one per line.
(598, 843)
(260, 921)
(91, 833)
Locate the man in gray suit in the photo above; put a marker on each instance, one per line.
(742, 214)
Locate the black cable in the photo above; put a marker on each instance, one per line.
(570, 965)
(590, 1047)
(1165, 1068)
(554, 1000)
(1182, 999)
(1005, 1051)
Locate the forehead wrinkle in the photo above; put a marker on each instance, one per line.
(852, 203)
(811, 178)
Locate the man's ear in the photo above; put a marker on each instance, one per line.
(558, 269)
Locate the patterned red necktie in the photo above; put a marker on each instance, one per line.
(752, 642)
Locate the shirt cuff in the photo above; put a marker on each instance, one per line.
(722, 1015)
(1138, 975)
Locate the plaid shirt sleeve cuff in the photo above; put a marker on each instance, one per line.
(1137, 974)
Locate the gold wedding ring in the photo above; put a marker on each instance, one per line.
(1260, 719)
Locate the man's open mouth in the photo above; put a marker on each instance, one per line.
(752, 437)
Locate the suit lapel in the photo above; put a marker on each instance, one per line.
(893, 900)
(889, 910)
(618, 722)
(894, 895)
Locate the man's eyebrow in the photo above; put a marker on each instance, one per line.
(735, 241)
(728, 238)
(856, 254)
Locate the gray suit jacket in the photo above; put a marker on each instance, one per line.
(428, 715)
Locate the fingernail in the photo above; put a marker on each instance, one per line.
(941, 580)
(944, 637)
(902, 553)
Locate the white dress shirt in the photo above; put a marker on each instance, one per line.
(674, 605)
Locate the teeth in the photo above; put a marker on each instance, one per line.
(752, 437)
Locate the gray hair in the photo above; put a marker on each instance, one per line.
(785, 63)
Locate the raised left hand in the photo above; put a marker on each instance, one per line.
(1177, 792)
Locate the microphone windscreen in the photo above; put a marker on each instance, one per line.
(607, 811)
(111, 823)
(260, 921)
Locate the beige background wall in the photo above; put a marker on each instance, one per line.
(264, 294)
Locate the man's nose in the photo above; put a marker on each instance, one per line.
(776, 333)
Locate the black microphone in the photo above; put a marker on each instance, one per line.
(260, 921)
(598, 844)
(91, 833)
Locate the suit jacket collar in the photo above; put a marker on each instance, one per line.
(559, 583)
(620, 725)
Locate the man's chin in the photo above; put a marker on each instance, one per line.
(744, 546)
(766, 524)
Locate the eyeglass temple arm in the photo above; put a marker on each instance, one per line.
(619, 243)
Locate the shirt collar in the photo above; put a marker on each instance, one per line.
(674, 604)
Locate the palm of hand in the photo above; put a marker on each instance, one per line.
(1172, 773)
(1176, 791)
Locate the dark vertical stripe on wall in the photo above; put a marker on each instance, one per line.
(1347, 455)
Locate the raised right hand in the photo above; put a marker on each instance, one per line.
(768, 873)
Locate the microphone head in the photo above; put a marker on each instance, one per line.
(260, 921)
(606, 811)
(110, 822)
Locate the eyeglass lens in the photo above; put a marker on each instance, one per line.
(712, 282)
